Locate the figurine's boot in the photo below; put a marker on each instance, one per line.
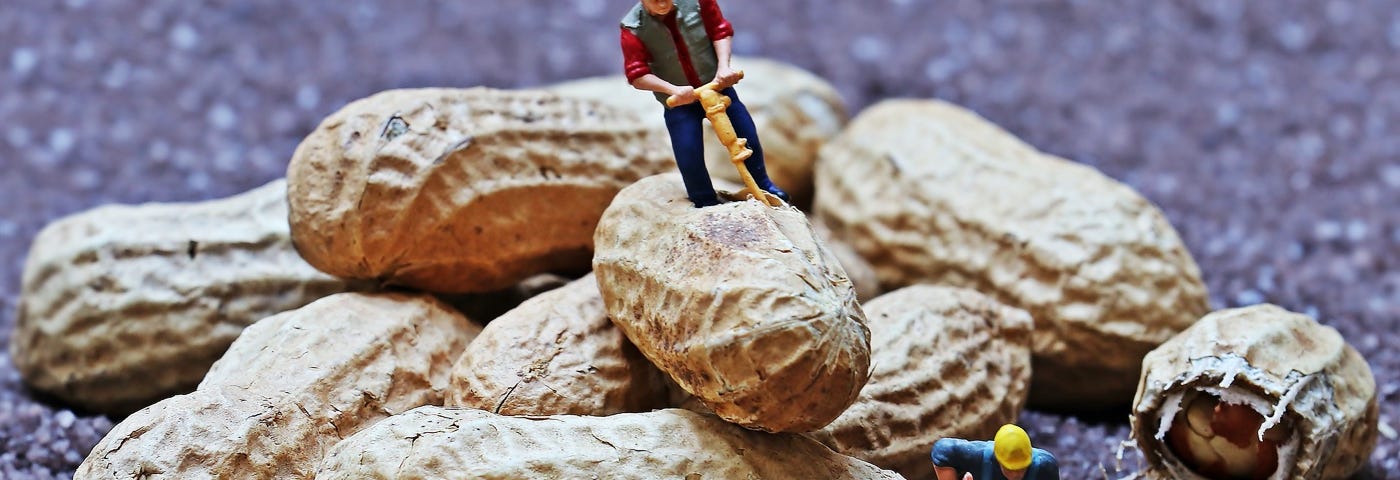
(744, 128)
(760, 173)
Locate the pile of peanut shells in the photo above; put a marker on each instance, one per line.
(512, 284)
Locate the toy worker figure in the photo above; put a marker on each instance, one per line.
(1008, 457)
(670, 47)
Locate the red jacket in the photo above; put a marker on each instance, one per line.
(637, 61)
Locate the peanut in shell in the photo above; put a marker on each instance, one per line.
(442, 443)
(1278, 387)
(739, 303)
(124, 305)
(290, 388)
(946, 363)
(463, 190)
(928, 192)
(556, 354)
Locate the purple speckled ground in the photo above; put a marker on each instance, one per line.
(1269, 132)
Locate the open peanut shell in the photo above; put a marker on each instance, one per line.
(1255, 393)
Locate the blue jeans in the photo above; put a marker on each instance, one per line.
(688, 143)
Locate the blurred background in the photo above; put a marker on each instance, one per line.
(1268, 131)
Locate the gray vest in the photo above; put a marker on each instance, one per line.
(665, 60)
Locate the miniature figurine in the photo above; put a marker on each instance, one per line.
(680, 49)
(1008, 457)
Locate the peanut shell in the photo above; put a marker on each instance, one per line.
(947, 362)
(861, 273)
(487, 306)
(794, 111)
(292, 386)
(931, 193)
(438, 443)
(556, 354)
(1296, 373)
(739, 303)
(461, 191)
(122, 306)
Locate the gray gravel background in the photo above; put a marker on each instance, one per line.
(1268, 131)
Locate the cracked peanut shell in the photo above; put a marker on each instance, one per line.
(946, 363)
(291, 387)
(1301, 377)
(556, 354)
(463, 190)
(124, 305)
(794, 111)
(928, 192)
(739, 303)
(438, 443)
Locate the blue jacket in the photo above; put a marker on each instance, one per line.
(978, 458)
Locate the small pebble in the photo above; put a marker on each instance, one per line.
(1390, 174)
(1293, 36)
(1356, 230)
(1327, 230)
(184, 37)
(589, 8)
(85, 179)
(61, 141)
(197, 181)
(117, 75)
(23, 60)
(222, 117)
(1299, 180)
(1394, 33)
(868, 49)
(1386, 430)
(65, 418)
(1248, 297)
(158, 150)
(18, 136)
(308, 97)
(941, 69)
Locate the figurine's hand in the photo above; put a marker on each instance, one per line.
(727, 76)
(684, 96)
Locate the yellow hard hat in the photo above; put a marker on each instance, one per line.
(1012, 447)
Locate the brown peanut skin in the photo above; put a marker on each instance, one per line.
(947, 362)
(794, 111)
(739, 303)
(1306, 371)
(928, 192)
(556, 354)
(439, 443)
(459, 191)
(291, 387)
(124, 305)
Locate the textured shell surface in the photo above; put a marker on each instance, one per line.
(463, 190)
(124, 305)
(290, 387)
(861, 273)
(739, 303)
(439, 443)
(556, 354)
(1287, 366)
(931, 193)
(946, 362)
